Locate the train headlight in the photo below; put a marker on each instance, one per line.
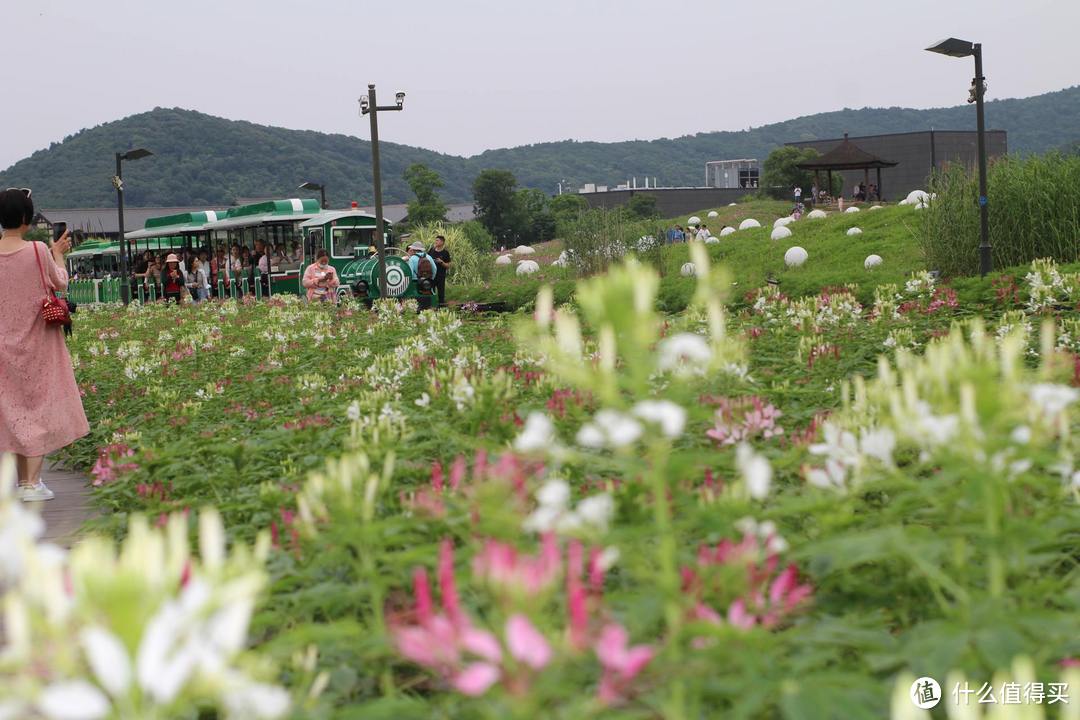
(425, 286)
(360, 288)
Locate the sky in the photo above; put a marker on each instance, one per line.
(482, 74)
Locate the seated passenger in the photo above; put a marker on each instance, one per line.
(320, 279)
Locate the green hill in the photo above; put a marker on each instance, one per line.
(200, 159)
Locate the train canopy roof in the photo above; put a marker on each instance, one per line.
(271, 211)
(171, 225)
(333, 216)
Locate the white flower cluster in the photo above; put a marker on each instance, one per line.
(1047, 286)
(846, 457)
(591, 515)
(685, 354)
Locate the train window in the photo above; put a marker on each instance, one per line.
(346, 240)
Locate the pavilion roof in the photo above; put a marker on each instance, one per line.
(846, 156)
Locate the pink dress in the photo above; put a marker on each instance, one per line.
(40, 407)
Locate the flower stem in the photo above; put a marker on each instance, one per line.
(669, 572)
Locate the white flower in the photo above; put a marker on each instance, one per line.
(73, 700)
(755, 469)
(108, 659)
(260, 701)
(1021, 435)
(423, 401)
(878, 444)
(608, 558)
(832, 476)
(670, 417)
(353, 413)
(538, 433)
(555, 493)
(609, 428)
(939, 430)
(684, 352)
(1053, 399)
(596, 510)
(542, 519)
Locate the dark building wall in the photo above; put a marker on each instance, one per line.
(916, 153)
(670, 201)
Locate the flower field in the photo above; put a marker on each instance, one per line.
(763, 506)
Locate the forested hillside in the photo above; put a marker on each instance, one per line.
(200, 159)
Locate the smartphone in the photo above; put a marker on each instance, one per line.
(58, 230)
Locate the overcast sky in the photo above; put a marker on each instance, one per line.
(484, 74)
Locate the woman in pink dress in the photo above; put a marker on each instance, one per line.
(40, 408)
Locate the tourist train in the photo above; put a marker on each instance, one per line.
(299, 226)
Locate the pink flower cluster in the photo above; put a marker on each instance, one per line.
(769, 598)
(508, 468)
(473, 659)
(288, 522)
(741, 419)
(110, 465)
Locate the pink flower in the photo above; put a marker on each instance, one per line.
(502, 566)
(621, 664)
(525, 642)
(476, 679)
(743, 418)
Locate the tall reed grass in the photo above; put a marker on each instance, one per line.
(1034, 206)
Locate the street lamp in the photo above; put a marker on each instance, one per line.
(962, 48)
(313, 187)
(118, 183)
(369, 106)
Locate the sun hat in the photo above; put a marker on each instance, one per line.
(172, 258)
(417, 246)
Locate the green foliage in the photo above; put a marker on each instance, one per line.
(1034, 212)
(478, 236)
(566, 208)
(535, 223)
(496, 204)
(428, 207)
(204, 160)
(780, 174)
(642, 207)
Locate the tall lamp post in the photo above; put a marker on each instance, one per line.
(118, 183)
(313, 187)
(368, 106)
(962, 48)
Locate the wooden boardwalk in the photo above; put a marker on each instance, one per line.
(71, 507)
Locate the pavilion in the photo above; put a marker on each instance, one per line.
(847, 156)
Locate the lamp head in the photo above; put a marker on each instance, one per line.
(136, 154)
(310, 186)
(364, 104)
(400, 96)
(953, 47)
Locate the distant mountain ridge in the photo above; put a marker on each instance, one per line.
(200, 159)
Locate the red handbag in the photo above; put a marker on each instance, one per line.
(53, 309)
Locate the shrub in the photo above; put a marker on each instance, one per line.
(478, 236)
(1034, 208)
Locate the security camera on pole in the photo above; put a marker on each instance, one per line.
(369, 106)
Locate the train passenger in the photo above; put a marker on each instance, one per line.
(320, 279)
(172, 279)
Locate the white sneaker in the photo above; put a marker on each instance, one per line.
(35, 493)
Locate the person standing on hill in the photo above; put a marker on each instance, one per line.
(798, 194)
(40, 407)
(441, 256)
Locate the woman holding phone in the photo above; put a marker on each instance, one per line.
(40, 407)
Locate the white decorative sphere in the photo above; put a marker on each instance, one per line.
(523, 250)
(727, 231)
(854, 231)
(916, 195)
(852, 209)
(693, 220)
(712, 240)
(749, 223)
(527, 267)
(816, 214)
(872, 261)
(503, 260)
(784, 221)
(713, 213)
(875, 207)
(795, 256)
(688, 270)
(780, 233)
(732, 204)
(922, 205)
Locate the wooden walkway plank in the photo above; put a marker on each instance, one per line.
(65, 514)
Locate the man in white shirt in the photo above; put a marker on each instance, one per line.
(798, 194)
(703, 232)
